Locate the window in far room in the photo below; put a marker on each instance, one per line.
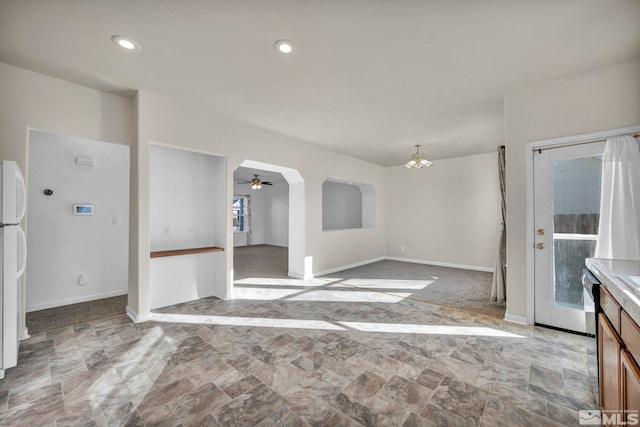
(240, 213)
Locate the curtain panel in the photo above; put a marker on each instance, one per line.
(499, 286)
(619, 228)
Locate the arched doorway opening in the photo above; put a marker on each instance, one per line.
(294, 235)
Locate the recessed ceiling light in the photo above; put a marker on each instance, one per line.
(284, 46)
(126, 43)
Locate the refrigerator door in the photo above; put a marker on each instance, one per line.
(13, 194)
(22, 252)
(9, 238)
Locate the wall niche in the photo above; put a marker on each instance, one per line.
(347, 205)
(187, 225)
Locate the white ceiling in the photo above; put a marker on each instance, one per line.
(369, 78)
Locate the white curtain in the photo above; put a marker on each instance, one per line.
(619, 229)
(499, 285)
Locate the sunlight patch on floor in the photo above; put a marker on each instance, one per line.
(325, 290)
(325, 295)
(262, 294)
(399, 328)
(386, 284)
(268, 281)
(246, 321)
(390, 328)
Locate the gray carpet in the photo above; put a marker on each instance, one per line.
(465, 289)
(260, 261)
(75, 314)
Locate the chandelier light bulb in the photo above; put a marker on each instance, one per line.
(417, 160)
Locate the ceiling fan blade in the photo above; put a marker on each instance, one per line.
(266, 183)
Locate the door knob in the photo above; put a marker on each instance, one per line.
(540, 245)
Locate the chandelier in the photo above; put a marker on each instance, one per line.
(417, 160)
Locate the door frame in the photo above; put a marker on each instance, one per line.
(529, 236)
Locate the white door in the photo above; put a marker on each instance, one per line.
(567, 205)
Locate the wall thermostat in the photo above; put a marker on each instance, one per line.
(83, 209)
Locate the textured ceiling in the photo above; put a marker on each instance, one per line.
(369, 78)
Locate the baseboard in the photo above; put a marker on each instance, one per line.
(24, 335)
(522, 320)
(382, 258)
(295, 275)
(347, 267)
(136, 317)
(76, 300)
(442, 264)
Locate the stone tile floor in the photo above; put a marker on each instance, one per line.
(301, 363)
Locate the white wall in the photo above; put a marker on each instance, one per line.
(276, 210)
(604, 99)
(197, 127)
(341, 206)
(29, 99)
(448, 213)
(182, 197)
(184, 202)
(63, 246)
(32, 100)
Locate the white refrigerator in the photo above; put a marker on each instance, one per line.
(13, 258)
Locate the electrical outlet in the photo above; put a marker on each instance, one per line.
(192, 229)
(115, 220)
(167, 229)
(402, 248)
(82, 281)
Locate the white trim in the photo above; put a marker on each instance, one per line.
(347, 267)
(443, 264)
(25, 334)
(383, 258)
(60, 303)
(553, 142)
(136, 317)
(528, 239)
(574, 236)
(585, 137)
(522, 320)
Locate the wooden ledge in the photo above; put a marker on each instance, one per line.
(190, 251)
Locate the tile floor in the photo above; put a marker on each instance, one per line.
(301, 363)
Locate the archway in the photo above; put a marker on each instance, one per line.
(297, 217)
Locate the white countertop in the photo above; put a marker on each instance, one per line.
(622, 280)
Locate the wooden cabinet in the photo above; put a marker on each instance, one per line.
(611, 308)
(629, 389)
(610, 347)
(619, 354)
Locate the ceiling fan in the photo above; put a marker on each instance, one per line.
(256, 183)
